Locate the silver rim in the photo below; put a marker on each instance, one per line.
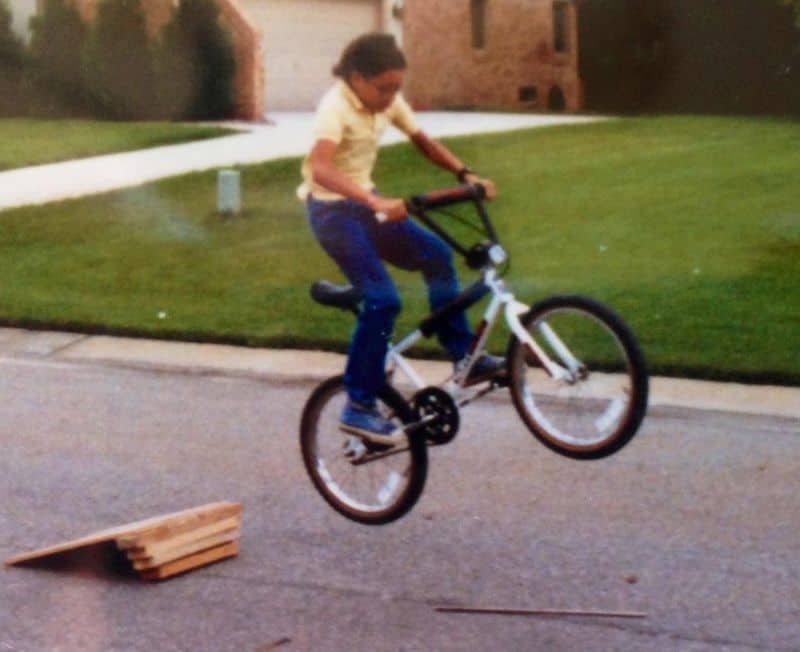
(590, 409)
(362, 483)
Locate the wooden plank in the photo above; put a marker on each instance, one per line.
(171, 554)
(148, 549)
(193, 561)
(178, 523)
(166, 524)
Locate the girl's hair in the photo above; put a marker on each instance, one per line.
(370, 55)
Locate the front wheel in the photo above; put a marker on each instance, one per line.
(595, 403)
(365, 484)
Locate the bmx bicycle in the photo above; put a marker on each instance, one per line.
(575, 372)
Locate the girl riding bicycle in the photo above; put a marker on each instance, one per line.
(359, 229)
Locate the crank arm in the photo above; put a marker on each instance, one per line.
(398, 436)
(374, 457)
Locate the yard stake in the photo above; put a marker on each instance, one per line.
(541, 612)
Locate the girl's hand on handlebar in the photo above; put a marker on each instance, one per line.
(388, 209)
(486, 184)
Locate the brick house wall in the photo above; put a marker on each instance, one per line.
(520, 61)
(520, 64)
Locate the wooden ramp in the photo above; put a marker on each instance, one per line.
(163, 546)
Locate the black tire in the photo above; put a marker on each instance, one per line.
(599, 409)
(327, 466)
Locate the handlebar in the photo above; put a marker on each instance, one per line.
(418, 204)
(478, 254)
(446, 197)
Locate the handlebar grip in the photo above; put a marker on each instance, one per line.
(447, 197)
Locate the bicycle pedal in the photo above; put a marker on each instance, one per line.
(354, 449)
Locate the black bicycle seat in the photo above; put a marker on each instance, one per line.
(345, 297)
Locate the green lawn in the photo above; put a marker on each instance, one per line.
(33, 142)
(689, 227)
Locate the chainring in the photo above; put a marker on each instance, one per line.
(433, 401)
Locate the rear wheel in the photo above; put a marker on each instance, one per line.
(599, 403)
(357, 479)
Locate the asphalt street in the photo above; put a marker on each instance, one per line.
(694, 524)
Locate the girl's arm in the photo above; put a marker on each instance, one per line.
(327, 175)
(439, 155)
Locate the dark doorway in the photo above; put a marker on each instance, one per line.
(556, 100)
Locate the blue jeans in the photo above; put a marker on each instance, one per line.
(350, 234)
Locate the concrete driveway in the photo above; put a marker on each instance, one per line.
(283, 135)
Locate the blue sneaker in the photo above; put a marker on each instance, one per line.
(361, 420)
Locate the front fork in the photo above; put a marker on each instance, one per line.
(572, 369)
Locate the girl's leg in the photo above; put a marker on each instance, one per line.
(409, 246)
(344, 231)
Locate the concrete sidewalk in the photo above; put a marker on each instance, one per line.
(286, 134)
(20, 345)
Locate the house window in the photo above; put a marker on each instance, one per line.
(528, 94)
(560, 26)
(478, 15)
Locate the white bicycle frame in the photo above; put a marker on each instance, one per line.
(502, 301)
(568, 370)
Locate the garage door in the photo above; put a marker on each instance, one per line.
(302, 41)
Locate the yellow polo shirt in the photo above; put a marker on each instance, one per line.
(343, 119)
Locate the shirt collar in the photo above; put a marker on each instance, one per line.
(350, 95)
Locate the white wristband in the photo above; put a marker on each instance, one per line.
(381, 217)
